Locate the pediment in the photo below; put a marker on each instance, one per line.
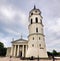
(19, 40)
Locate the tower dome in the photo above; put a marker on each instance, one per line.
(35, 16)
(35, 11)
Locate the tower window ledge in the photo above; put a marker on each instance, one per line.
(41, 48)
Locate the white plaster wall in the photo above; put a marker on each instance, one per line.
(36, 50)
(32, 28)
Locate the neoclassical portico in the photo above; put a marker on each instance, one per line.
(19, 48)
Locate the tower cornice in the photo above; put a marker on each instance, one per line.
(35, 23)
(35, 14)
(36, 34)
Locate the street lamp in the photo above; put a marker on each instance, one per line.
(53, 57)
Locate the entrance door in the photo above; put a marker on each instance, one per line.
(20, 53)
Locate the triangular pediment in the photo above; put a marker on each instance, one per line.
(19, 40)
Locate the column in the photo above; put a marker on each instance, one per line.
(23, 51)
(26, 48)
(15, 50)
(18, 51)
(11, 51)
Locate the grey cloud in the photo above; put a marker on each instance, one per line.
(50, 12)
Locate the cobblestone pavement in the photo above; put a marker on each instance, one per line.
(18, 59)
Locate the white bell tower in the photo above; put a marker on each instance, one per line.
(36, 40)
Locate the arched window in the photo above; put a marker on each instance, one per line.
(36, 20)
(36, 29)
(39, 38)
(40, 45)
(31, 13)
(32, 45)
(36, 11)
(41, 21)
(31, 21)
(39, 13)
(33, 38)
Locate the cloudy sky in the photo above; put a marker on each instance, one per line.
(14, 20)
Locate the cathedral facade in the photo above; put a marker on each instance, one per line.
(35, 45)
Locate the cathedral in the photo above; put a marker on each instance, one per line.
(35, 45)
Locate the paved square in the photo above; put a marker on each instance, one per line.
(18, 59)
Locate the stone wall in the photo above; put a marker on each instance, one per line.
(8, 51)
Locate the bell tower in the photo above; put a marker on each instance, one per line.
(36, 40)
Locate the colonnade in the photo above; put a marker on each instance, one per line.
(19, 50)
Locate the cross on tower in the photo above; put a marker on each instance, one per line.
(34, 7)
